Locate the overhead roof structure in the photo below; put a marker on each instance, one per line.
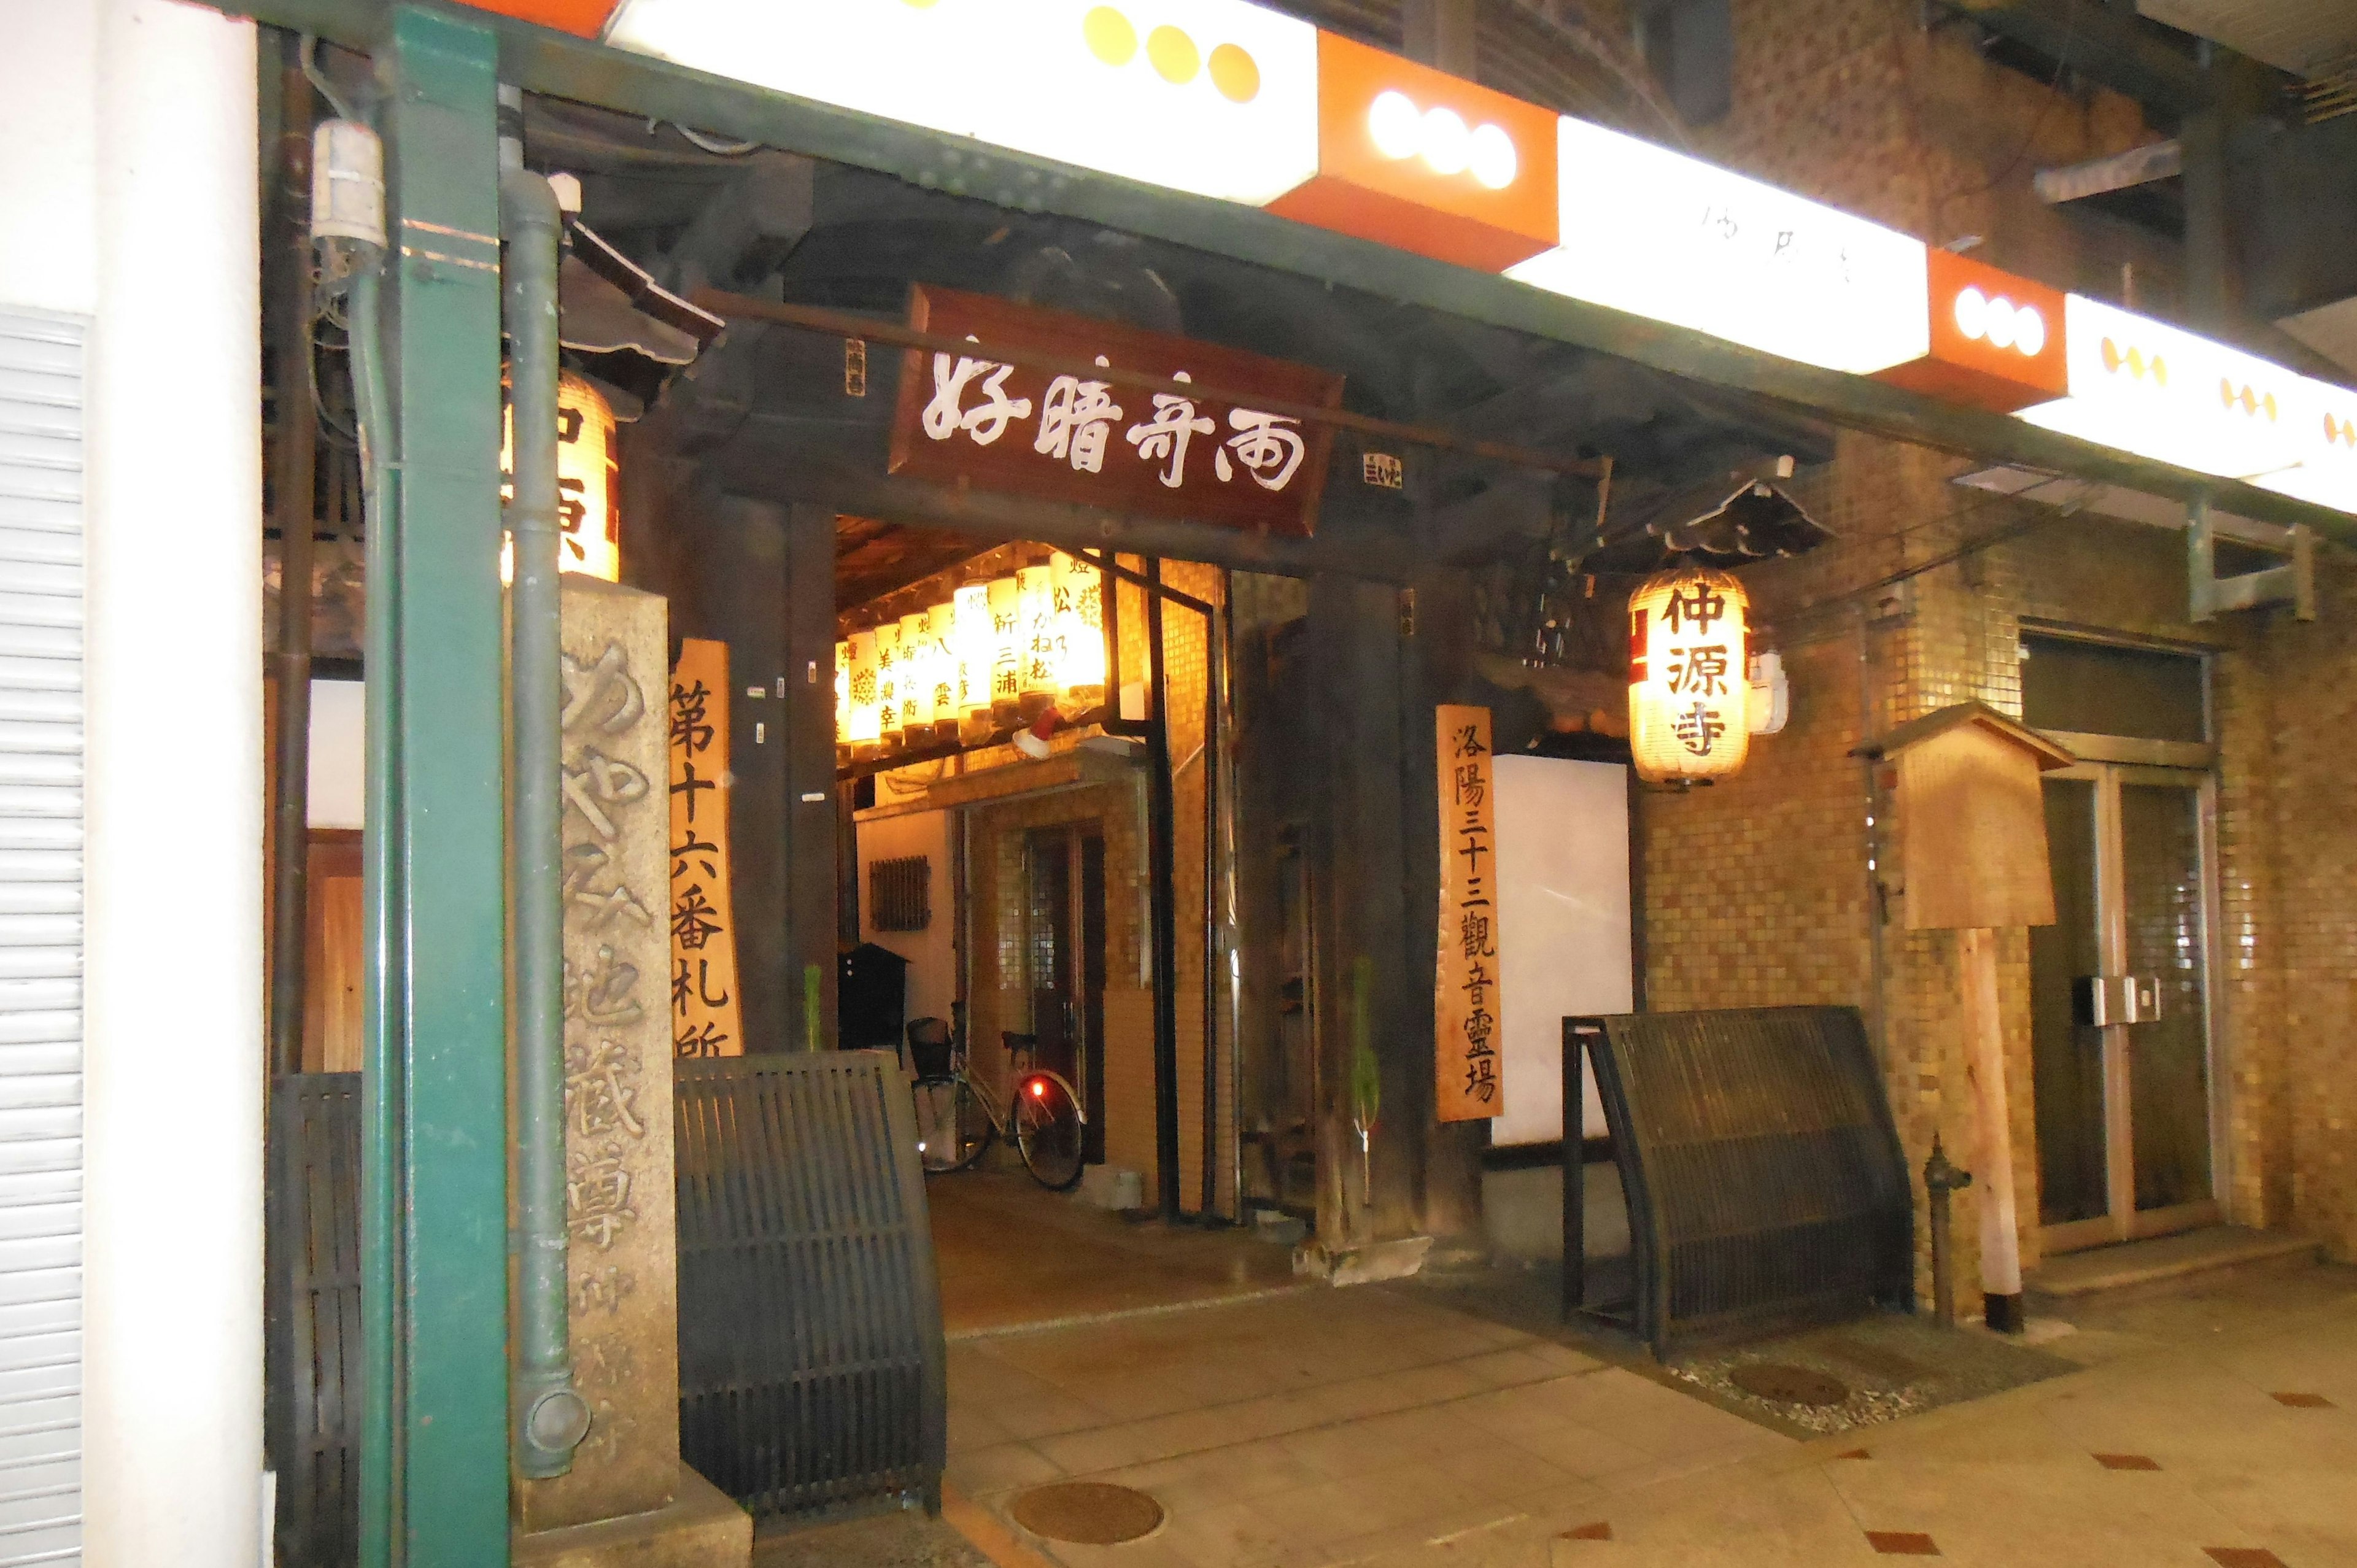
(2176, 416)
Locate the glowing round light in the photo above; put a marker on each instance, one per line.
(1972, 312)
(1038, 1089)
(1396, 125)
(2029, 331)
(1494, 163)
(1447, 145)
(2000, 323)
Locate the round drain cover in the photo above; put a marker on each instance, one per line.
(1788, 1384)
(1087, 1513)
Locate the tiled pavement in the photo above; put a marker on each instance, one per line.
(1370, 1426)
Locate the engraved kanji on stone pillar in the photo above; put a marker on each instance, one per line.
(618, 1090)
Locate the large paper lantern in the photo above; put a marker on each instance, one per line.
(973, 645)
(1006, 649)
(1041, 683)
(865, 714)
(590, 530)
(1689, 689)
(915, 660)
(887, 682)
(1080, 620)
(842, 704)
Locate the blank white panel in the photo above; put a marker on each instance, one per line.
(338, 711)
(1565, 947)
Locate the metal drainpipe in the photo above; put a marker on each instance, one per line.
(348, 228)
(550, 1417)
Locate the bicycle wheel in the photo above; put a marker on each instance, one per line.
(1048, 1132)
(952, 1130)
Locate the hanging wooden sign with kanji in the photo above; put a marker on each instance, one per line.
(1466, 1006)
(1024, 429)
(704, 1015)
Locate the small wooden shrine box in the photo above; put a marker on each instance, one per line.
(1972, 821)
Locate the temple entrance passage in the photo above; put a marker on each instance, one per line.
(2120, 993)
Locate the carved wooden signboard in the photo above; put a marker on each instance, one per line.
(704, 1015)
(1026, 430)
(1465, 995)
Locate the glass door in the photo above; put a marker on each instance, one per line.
(2120, 1007)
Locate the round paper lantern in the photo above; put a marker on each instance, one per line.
(942, 670)
(590, 529)
(1689, 687)
(915, 662)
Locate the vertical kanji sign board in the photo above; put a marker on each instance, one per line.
(705, 1016)
(1465, 991)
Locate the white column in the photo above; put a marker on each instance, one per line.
(172, 1448)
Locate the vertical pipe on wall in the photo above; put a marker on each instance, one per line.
(1161, 860)
(550, 1417)
(173, 1086)
(1231, 943)
(288, 307)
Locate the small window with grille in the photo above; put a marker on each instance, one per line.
(900, 894)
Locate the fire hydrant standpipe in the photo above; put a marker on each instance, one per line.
(1941, 1177)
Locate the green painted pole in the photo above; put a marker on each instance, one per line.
(440, 76)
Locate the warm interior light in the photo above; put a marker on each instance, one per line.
(1079, 621)
(1038, 1089)
(1689, 687)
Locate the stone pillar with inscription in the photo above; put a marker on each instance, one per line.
(628, 1498)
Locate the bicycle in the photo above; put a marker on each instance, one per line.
(958, 1115)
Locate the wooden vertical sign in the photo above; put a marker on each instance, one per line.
(1465, 995)
(704, 1018)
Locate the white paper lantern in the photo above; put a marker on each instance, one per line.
(1689, 687)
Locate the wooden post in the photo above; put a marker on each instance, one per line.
(1984, 1067)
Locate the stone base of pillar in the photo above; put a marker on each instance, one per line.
(701, 1528)
(1394, 1259)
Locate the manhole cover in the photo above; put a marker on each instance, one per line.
(1087, 1513)
(1788, 1384)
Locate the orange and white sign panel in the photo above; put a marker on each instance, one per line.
(1215, 97)
(1662, 235)
(706, 1015)
(1414, 158)
(1997, 339)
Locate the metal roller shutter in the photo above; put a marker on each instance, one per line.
(40, 936)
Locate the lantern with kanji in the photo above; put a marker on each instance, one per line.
(590, 533)
(1689, 692)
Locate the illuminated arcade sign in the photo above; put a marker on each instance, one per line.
(1997, 339)
(2164, 393)
(1224, 99)
(1213, 97)
(1414, 158)
(1662, 235)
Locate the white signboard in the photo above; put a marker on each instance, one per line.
(1659, 234)
(1214, 97)
(1566, 946)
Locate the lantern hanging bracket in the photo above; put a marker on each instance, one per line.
(2208, 594)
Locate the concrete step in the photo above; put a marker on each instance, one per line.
(2164, 1265)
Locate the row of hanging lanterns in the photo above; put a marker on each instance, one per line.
(999, 651)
